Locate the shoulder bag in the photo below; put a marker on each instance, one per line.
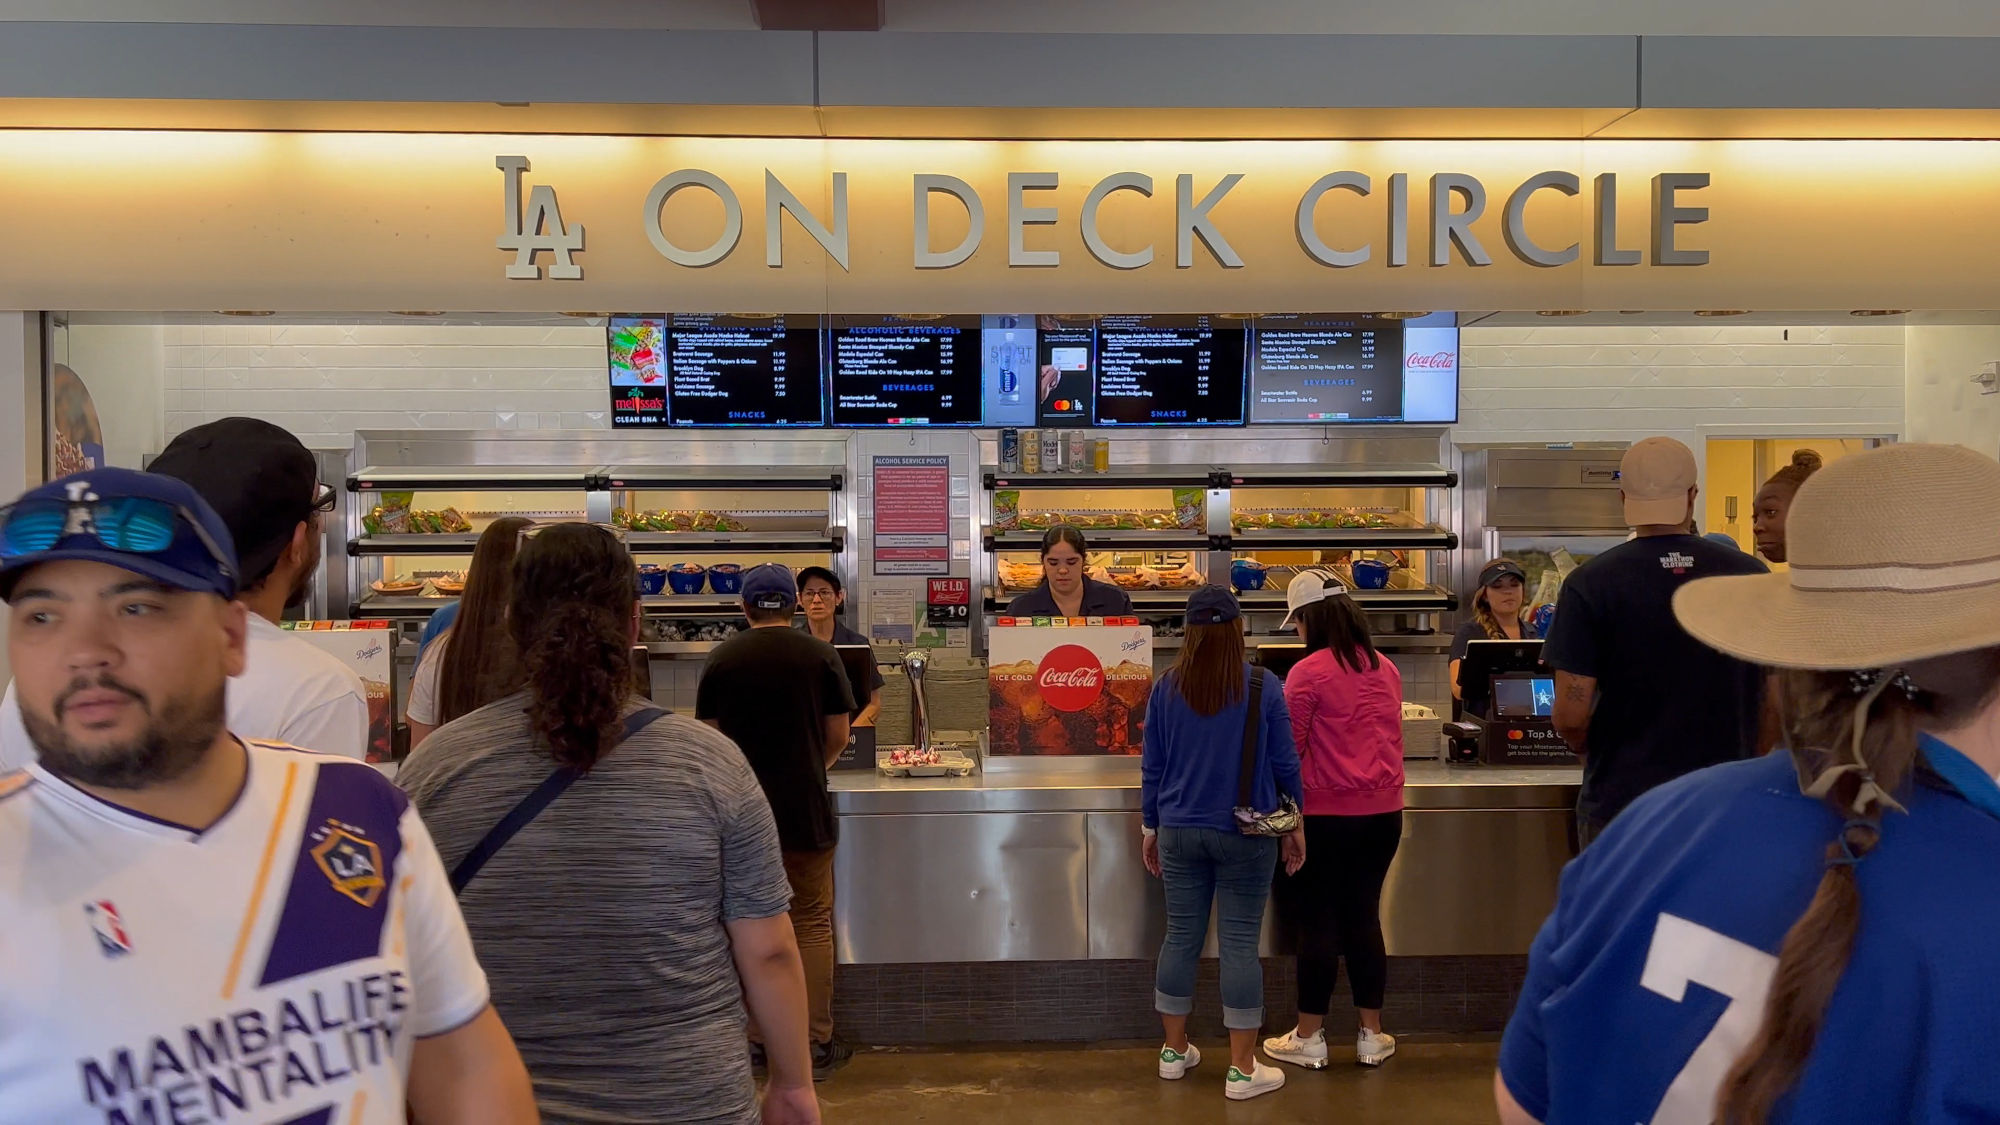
(1286, 819)
(531, 806)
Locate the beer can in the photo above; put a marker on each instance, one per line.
(1100, 455)
(1077, 453)
(1052, 454)
(1031, 451)
(1010, 450)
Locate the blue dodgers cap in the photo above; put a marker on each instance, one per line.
(195, 551)
(770, 586)
(1212, 605)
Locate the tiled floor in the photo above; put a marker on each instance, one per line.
(1432, 1083)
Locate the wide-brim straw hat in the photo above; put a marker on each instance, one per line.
(1894, 557)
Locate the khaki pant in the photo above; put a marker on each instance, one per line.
(811, 877)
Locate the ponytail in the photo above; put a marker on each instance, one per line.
(574, 591)
(1854, 754)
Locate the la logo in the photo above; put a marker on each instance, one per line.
(541, 231)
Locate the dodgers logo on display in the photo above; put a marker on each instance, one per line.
(112, 940)
(352, 864)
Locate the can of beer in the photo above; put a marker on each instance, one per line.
(1031, 452)
(1052, 453)
(1010, 450)
(1078, 453)
(1100, 455)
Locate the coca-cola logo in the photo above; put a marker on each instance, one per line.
(1439, 361)
(1070, 678)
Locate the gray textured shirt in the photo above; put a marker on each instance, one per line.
(601, 923)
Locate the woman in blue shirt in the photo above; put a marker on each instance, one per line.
(1196, 724)
(1806, 936)
(1066, 591)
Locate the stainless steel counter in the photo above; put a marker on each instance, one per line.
(1040, 861)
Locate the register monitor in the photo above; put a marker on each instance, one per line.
(1485, 660)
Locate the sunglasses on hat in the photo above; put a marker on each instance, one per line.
(134, 525)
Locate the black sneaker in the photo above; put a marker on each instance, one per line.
(829, 1057)
(759, 1065)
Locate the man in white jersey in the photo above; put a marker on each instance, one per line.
(265, 485)
(194, 927)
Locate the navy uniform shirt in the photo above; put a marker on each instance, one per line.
(1099, 600)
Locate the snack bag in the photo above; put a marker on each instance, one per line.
(1007, 509)
(1189, 508)
(393, 514)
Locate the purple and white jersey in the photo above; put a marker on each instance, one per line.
(275, 969)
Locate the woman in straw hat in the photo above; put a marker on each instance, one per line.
(1809, 936)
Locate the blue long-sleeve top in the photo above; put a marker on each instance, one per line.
(1191, 763)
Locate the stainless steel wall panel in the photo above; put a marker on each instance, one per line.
(1473, 881)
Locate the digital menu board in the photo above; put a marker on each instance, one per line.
(1169, 371)
(692, 370)
(1063, 369)
(1354, 368)
(905, 371)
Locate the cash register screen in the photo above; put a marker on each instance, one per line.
(1524, 697)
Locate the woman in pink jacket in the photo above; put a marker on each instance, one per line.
(1346, 702)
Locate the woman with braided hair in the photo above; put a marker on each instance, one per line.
(1774, 502)
(1807, 936)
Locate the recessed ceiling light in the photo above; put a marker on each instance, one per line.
(1722, 312)
(246, 312)
(1631, 312)
(1238, 316)
(1562, 312)
(918, 316)
(585, 315)
(1878, 312)
(1403, 315)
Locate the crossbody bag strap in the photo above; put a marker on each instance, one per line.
(1246, 784)
(531, 806)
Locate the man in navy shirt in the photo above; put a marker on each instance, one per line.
(1636, 697)
(1806, 937)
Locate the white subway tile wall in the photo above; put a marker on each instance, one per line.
(323, 381)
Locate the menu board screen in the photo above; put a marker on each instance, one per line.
(1169, 371)
(1063, 370)
(1354, 368)
(905, 371)
(692, 370)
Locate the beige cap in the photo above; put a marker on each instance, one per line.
(1895, 557)
(1655, 476)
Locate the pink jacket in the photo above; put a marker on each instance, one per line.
(1349, 731)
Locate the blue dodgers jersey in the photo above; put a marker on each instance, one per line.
(1649, 978)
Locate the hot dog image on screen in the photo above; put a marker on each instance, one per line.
(1066, 691)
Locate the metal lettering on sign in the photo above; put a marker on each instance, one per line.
(542, 231)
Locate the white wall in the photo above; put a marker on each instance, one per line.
(1621, 383)
(20, 431)
(123, 365)
(1942, 404)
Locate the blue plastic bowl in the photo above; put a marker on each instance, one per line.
(687, 581)
(1246, 575)
(652, 581)
(1372, 574)
(725, 578)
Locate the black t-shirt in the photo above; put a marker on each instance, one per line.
(1474, 695)
(1100, 599)
(842, 635)
(1667, 704)
(770, 691)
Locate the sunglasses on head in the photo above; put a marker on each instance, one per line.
(134, 525)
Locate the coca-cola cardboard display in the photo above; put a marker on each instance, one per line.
(1056, 690)
(368, 648)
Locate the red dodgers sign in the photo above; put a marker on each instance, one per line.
(1070, 678)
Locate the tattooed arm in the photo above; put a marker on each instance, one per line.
(1574, 697)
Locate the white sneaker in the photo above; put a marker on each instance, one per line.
(1240, 1087)
(1174, 1065)
(1291, 1048)
(1373, 1048)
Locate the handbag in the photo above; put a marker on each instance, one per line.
(531, 806)
(1287, 819)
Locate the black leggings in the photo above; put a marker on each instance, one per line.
(1334, 906)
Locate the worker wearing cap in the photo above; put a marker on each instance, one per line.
(782, 696)
(175, 892)
(1498, 614)
(1640, 700)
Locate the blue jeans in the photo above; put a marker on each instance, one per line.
(1203, 866)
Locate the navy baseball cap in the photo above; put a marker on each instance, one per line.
(1501, 568)
(1212, 605)
(152, 525)
(770, 586)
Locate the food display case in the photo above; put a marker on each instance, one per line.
(416, 504)
(1157, 531)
